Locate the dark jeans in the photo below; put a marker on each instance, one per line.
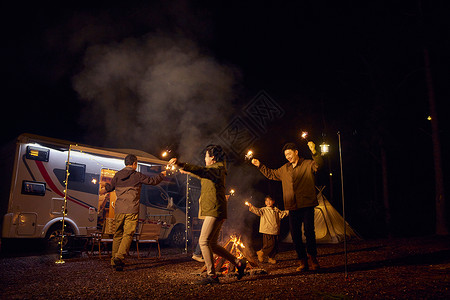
(298, 217)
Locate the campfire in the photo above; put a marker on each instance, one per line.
(236, 247)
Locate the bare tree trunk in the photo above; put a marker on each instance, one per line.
(441, 224)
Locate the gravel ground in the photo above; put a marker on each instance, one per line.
(413, 268)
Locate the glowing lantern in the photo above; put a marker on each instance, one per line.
(324, 148)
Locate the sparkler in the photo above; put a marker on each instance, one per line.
(247, 203)
(171, 170)
(304, 135)
(232, 191)
(249, 155)
(165, 153)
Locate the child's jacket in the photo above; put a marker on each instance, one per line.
(270, 219)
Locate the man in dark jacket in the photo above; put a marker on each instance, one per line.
(299, 196)
(127, 183)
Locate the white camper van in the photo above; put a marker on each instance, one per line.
(36, 199)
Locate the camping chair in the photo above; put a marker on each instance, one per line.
(148, 233)
(91, 238)
(109, 228)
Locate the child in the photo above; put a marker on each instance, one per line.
(269, 227)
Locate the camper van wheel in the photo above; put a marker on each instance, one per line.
(178, 236)
(53, 237)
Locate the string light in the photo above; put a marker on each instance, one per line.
(61, 261)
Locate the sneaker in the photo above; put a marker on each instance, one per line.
(118, 268)
(118, 264)
(209, 280)
(272, 261)
(198, 258)
(260, 255)
(303, 265)
(314, 263)
(241, 268)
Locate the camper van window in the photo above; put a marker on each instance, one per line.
(150, 170)
(77, 172)
(36, 153)
(33, 188)
(79, 180)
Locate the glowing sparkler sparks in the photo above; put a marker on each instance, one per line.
(249, 155)
(94, 181)
(171, 167)
(165, 153)
(232, 191)
(171, 170)
(304, 134)
(246, 203)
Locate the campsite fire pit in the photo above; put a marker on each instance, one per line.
(236, 247)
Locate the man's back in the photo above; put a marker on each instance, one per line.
(127, 183)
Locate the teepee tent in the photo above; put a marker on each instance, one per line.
(329, 224)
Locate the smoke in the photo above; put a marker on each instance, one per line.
(243, 178)
(150, 92)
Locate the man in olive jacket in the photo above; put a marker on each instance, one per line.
(299, 197)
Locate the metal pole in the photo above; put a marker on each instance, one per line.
(343, 205)
(187, 214)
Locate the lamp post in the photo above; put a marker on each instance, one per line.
(343, 204)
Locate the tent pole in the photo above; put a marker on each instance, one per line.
(343, 205)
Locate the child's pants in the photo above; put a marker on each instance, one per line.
(270, 245)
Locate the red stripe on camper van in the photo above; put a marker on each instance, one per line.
(49, 181)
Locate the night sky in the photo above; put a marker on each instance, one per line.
(348, 66)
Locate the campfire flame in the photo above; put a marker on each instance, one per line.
(236, 247)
